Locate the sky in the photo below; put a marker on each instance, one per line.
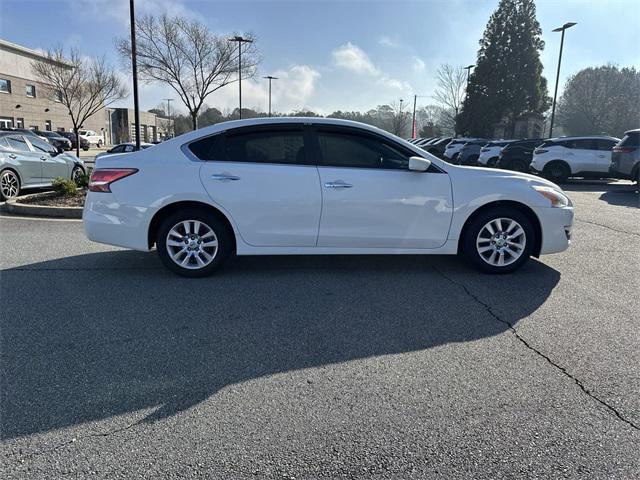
(335, 55)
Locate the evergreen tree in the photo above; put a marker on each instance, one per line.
(507, 80)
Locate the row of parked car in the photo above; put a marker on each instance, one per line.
(556, 158)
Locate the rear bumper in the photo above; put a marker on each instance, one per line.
(556, 226)
(108, 221)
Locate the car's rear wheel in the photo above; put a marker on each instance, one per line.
(519, 166)
(492, 162)
(499, 240)
(9, 184)
(193, 243)
(557, 172)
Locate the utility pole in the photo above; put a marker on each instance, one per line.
(555, 93)
(169, 115)
(134, 67)
(413, 120)
(240, 41)
(269, 77)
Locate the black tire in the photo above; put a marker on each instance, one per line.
(99, 143)
(76, 173)
(469, 248)
(519, 166)
(224, 242)
(9, 184)
(557, 172)
(492, 162)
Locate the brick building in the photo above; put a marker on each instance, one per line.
(23, 101)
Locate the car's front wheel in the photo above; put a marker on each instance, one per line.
(499, 240)
(9, 184)
(193, 243)
(557, 172)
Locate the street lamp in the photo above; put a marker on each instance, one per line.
(269, 77)
(134, 67)
(169, 114)
(555, 93)
(240, 41)
(468, 69)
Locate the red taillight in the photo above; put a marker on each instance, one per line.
(623, 149)
(102, 178)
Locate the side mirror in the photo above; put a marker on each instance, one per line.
(59, 150)
(419, 164)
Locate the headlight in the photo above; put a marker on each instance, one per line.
(557, 199)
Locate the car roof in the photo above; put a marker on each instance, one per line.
(232, 124)
(584, 137)
(635, 130)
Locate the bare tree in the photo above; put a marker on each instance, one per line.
(188, 57)
(450, 93)
(84, 86)
(399, 119)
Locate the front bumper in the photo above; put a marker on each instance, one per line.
(556, 226)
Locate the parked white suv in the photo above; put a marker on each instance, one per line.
(454, 147)
(92, 137)
(560, 158)
(305, 186)
(490, 152)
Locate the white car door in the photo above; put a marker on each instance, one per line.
(603, 154)
(263, 178)
(372, 200)
(581, 156)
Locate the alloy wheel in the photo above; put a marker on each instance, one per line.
(76, 175)
(501, 242)
(192, 244)
(9, 184)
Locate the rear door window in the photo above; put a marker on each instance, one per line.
(275, 146)
(18, 143)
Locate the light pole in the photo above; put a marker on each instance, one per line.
(468, 69)
(134, 68)
(169, 114)
(555, 93)
(240, 41)
(269, 77)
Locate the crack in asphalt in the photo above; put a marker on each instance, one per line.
(608, 227)
(108, 433)
(562, 369)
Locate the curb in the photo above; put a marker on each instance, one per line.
(13, 205)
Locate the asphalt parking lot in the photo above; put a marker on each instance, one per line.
(323, 367)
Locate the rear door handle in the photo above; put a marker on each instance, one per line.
(43, 157)
(11, 155)
(224, 177)
(337, 184)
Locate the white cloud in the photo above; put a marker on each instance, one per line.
(353, 58)
(388, 41)
(418, 64)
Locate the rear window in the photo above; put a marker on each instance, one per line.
(631, 139)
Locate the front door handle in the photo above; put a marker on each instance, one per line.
(601, 156)
(224, 177)
(43, 157)
(11, 155)
(337, 184)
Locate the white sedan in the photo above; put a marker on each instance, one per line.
(298, 186)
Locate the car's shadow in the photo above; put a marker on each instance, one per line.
(94, 336)
(615, 193)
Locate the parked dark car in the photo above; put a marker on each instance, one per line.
(625, 157)
(84, 143)
(55, 139)
(518, 155)
(437, 147)
(470, 151)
